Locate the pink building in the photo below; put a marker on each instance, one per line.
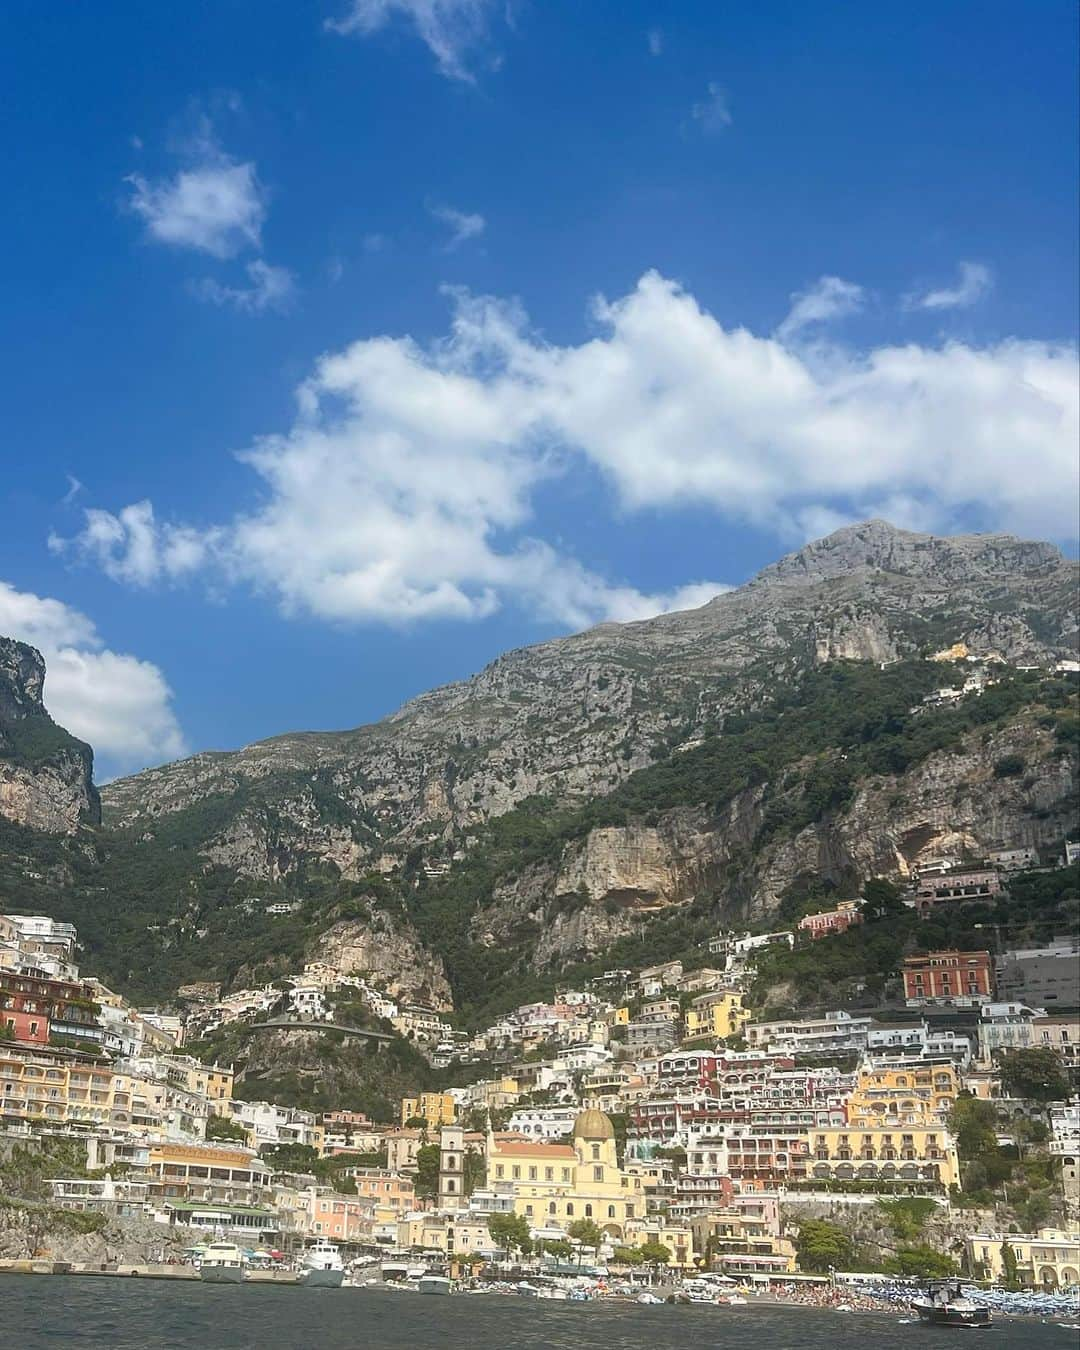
(342, 1218)
(838, 920)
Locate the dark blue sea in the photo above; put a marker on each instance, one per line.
(42, 1312)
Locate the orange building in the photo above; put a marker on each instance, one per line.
(943, 976)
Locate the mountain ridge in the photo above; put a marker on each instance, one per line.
(664, 776)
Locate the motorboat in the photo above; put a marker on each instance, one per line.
(435, 1284)
(222, 1263)
(647, 1298)
(944, 1304)
(321, 1266)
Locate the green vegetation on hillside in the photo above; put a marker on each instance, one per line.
(809, 749)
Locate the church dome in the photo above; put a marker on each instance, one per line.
(593, 1125)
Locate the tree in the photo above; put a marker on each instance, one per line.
(587, 1234)
(656, 1254)
(219, 1127)
(559, 1248)
(921, 1262)
(822, 1244)
(511, 1232)
(628, 1256)
(1037, 1074)
(676, 1155)
(1009, 1275)
(473, 1171)
(426, 1181)
(973, 1120)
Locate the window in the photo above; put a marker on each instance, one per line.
(500, 1171)
(569, 1211)
(611, 1211)
(588, 1211)
(515, 1173)
(598, 1174)
(566, 1174)
(549, 1174)
(595, 1151)
(532, 1173)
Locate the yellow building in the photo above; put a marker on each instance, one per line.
(742, 1243)
(1047, 1259)
(720, 1013)
(904, 1095)
(435, 1108)
(676, 1237)
(620, 1017)
(556, 1184)
(57, 1088)
(459, 1232)
(922, 1154)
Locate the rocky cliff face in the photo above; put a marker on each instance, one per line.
(388, 952)
(45, 774)
(952, 805)
(574, 717)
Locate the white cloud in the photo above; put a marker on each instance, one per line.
(974, 281)
(404, 489)
(827, 298)
(216, 206)
(73, 489)
(118, 703)
(713, 112)
(655, 39)
(132, 548)
(272, 288)
(463, 225)
(449, 28)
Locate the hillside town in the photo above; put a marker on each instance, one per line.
(651, 1120)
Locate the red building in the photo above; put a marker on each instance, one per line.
(24, 1023)
(838, 920)
(57, 1007)
(944, 976)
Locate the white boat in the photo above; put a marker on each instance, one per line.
(434, 1284)
(222, 1263)
(647, 1298)
(322, 1266)
(946, 1305)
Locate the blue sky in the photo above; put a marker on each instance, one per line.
(350, 343)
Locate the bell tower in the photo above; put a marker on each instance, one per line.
(451, 1163)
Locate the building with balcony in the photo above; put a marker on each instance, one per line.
(955, 885)
(923, 1157)
(1048, 1259)
(907, 1094)
(719, 1014)
(948, 977)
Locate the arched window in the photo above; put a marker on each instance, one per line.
(552, 1208)
(588, 1211)
(611, 1211)
(450, 1185)
(570, 1211)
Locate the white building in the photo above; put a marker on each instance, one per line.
(543, 1122)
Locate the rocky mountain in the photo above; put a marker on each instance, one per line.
(575, 716)
(46, 775)
(638, 783)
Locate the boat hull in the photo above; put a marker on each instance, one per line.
(314, 1278)
(222, 1274)
(953, 1317)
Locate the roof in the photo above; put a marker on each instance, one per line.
(525, 1148)
(593, 1125)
